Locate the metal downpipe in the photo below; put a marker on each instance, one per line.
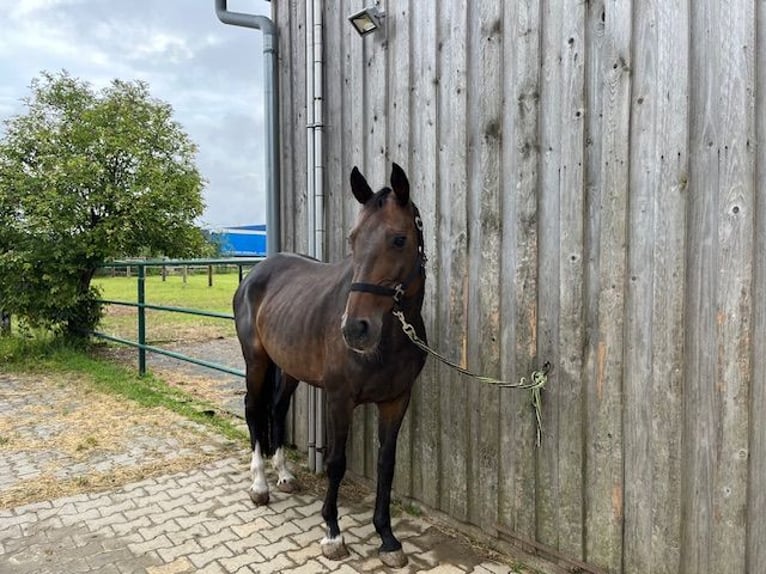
(315, 198)
(319, 194)
(271, 101)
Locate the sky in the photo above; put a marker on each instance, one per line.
(211, 74)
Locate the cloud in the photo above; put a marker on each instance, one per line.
(209, 72)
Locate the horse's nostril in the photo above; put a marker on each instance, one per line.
(356, 330)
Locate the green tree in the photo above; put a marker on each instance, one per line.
(87, 176)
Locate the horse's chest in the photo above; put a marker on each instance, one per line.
(387, 381)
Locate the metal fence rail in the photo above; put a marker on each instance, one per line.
(141, 306)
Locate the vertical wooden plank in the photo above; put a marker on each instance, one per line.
(423, 178)
(595, 62)
(292, 77)
(654, 297)
(336, 187)
(398, 150)
(298, 102)
(734, 309)
(356, 138)
(756, 502)
(569, 380)
(453, 254)
(281, 14)
(491, 233)
(699, 417)
(548, 304)
(485, 229)
(281, 20)
(606, 280)
(720, 285)
(560, 332)
(375, 89)
(518, 343)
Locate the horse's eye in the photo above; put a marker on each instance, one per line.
(400, 241)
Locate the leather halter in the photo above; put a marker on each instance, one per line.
(398, 291)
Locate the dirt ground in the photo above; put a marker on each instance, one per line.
(59, 436)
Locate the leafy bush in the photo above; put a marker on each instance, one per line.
(88, 176)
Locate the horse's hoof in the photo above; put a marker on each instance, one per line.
(334, 548)
(287, 486)
(393, 559)
(259, 498)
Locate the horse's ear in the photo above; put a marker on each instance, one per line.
(400, 184)
(359, 186)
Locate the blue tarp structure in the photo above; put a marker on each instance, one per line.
(242, 240)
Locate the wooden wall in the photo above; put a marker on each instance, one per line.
(592, 178)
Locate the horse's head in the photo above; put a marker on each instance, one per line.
(388, 260)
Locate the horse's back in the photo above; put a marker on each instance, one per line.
(278, 272)
(289, 295)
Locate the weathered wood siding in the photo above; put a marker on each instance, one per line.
(592, 180)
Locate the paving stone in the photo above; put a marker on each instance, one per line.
(142, 511)
(153, 544)
(212, 568)
(248, 544)
(304, 554)
(308, 567)
(176, 551)
(238, 562)
(496, 568)
(277, 564)
(180, 566)
(276, 549)
(189, 521)
(166, 527)
(205, 557)
(444, 569)
(221, 537)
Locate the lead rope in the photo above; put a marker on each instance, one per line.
(536, 384)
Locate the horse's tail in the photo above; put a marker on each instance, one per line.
(264, 419)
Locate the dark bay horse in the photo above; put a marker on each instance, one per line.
(330, 325)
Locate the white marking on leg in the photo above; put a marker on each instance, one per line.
(332, 541)
(256, 469)
(280, 465)
(334, 548)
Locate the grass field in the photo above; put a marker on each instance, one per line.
(161, 326)
(46, 355)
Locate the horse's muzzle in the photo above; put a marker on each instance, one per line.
(359, 334)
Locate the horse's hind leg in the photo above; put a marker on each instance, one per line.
(285, 478)
(260, 372)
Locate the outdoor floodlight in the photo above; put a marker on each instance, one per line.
(367, 20)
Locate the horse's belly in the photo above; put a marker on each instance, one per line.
(297, 347)
(295, 364)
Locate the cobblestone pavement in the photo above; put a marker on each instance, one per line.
(192, 519)
(202, 521)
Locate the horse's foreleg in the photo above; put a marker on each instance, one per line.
(285, 478)
(339, 411)
(390, 417)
